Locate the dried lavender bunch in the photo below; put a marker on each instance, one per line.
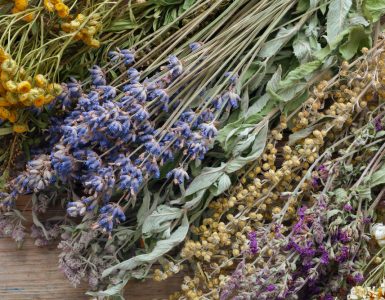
(112, 143)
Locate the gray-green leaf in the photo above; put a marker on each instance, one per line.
(161, 248)
(160, 219)
(336, 17)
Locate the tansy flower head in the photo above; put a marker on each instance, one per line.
(21, 4)
(9, 66)
(29, 17)
(48, 99)
(62, 10)
(55, 89)
(11, 86)
(20, 128)
(40, 81)
(23, 87)
(4, 113)
(4, 76)
(15, 10)
(4, 102)
(39, 101)
(49, 5)
(11, 98)
(12, 117)
(23, 98)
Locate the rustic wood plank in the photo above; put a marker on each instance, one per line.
(31, 273)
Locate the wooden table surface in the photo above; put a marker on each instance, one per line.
(32, 273)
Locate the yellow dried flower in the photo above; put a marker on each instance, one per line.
(20, 128)
(23, 87)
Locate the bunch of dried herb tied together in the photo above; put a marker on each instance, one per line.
(43, 42)
(120, 125)
(299, 221)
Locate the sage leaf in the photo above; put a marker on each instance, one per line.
(160, 219)
(336, 17)
(222, 185)
(358, 38)
(161, 248)
(204, 180)
(258, 105)
(257, 149)
(374, 9)
(273, 46)
(301, 48)
(378, 177)
(300, 73)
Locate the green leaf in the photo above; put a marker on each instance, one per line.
(336, 17)
(364, 192)
(159, 220)
(258, 105)
(121, 25)
(5, 131)
(191, 204)
(356, 19)
(161, 248)
(273, 46)
(166, 2)
(204, 180)
(300, 73)
(256, 150)
(341, 195)
(113, 290)
(222, 184)
(301, 134)
(358, 38)
(294, 104)
(302, 48)
(374, 9)
(4, 179)
(378, 177)
(251, 70)
(144, 209)
(332, 213)
(273, 84)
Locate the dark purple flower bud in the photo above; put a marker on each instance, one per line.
(378, 124)
(348, 207)
(253, 244)
(270, 287)
(358, 278)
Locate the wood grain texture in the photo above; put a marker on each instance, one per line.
(31, 273)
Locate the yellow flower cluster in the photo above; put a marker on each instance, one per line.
(57, 6)
(266, 189)
(85, 29)
(22, 5)
(18, 90)
(367, 293)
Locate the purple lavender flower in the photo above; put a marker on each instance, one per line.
(343, 254)
(253, 244)
(195, 46)
(378, 124)
(209, 131)
(111, 214)
(179, 175)
(75, 209)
